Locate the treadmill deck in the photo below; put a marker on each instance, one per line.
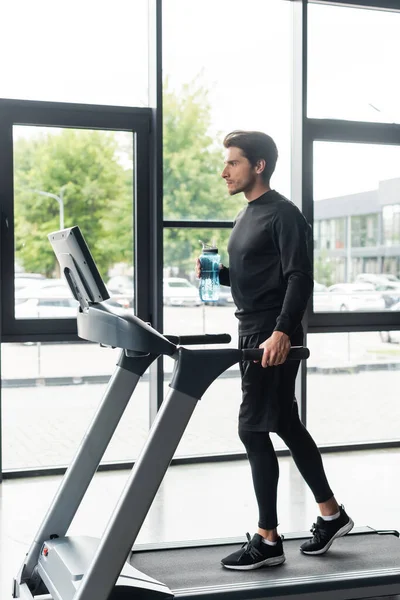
(363, 564)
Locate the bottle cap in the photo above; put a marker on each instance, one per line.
(208, 249)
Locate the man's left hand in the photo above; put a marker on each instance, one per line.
(276, 348)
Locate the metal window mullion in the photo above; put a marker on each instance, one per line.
(363, 132)
(393, 5)
(196, 224)
(156, 375)
(301, 162)
(142, 223)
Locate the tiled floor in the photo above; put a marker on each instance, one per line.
(205, 501)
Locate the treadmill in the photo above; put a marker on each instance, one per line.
(364, 564)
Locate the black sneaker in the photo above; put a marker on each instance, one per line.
(325, 532)
(255, 554)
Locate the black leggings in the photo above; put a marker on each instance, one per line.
(265, 469)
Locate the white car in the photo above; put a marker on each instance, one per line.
(322, 300)
(225, 297)
(22, 280)
(46, 303)
(180, 292)
(120, 288)
(390, 291)
(376, 279)
(355, 297)
(391, 337)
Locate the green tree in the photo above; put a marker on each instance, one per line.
(324, 270)
(98, 190)
(193, 187)
(96, 196)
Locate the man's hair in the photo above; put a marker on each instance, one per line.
(255, 145)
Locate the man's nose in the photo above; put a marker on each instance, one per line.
(224, 173)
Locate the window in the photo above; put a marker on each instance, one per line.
(61, 385)
(352, 389)
(391, 224)
(58, 174)
(365, 231)
(357, 224)
(330, 234)
(352, 60)
(213, 427)
(91, 54)
(206, 90)
(207, 87)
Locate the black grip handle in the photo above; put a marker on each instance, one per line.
(295, 353)
(207, 338)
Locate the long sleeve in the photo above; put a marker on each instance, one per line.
(224, 278)
(292, 233)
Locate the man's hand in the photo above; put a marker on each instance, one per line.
(276, 348)
(198, 268)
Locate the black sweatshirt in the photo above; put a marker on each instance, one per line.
(269, 270)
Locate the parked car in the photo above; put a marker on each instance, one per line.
(121, 290)
(390, 291)
(35, 287)
(31, 276)
(54, 300)
(46, 303)
(225, 297)
(22, 280)
(180, 292)
(391, 337)
(121, 284)
(322, 300)
(355, 297)
(376, 278)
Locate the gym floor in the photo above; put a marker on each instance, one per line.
(204, 501)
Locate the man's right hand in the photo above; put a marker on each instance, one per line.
(198, 268)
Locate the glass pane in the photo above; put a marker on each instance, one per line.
(62, 178)
(352, 387)
(95, 53)
(48, 405)
(352, 57)
(208, 89)
(356, 227)
(213, 427)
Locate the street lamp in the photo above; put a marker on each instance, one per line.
(60, 200)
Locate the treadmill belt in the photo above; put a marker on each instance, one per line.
(199, 566)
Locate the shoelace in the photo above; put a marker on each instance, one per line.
(315, 530)
(319, 533)
(248, 548)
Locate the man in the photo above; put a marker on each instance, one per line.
(271, 282)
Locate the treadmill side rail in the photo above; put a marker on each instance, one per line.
(83, 467)
(137, 497)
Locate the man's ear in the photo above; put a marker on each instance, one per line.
(260, 166)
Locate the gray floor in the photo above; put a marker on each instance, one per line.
(205, 501)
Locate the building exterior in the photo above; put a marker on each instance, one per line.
(359, 233)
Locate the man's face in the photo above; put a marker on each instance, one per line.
(238, 173)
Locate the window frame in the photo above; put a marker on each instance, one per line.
(331, 130)
(77, 116)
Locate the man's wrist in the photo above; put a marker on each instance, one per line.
(280, 333)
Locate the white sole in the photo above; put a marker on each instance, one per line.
(268, 562)
(340, 533)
